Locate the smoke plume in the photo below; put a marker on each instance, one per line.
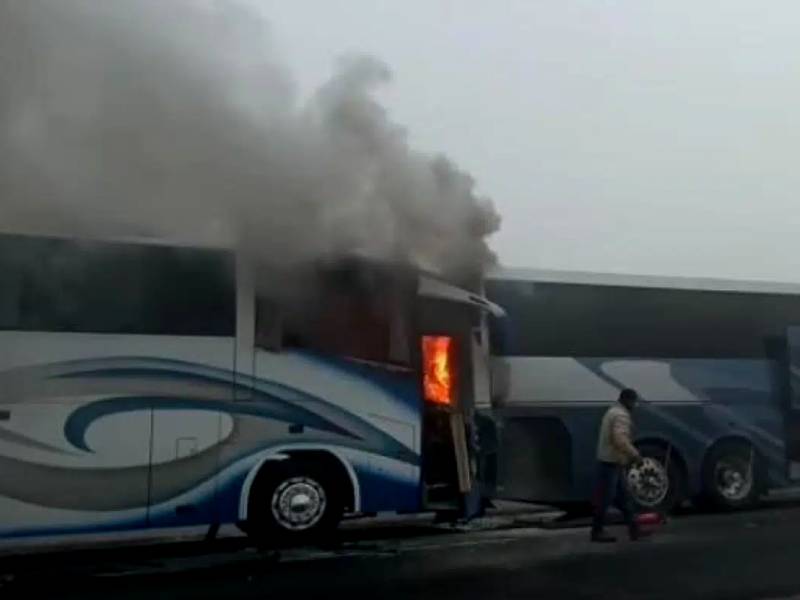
(177, 120)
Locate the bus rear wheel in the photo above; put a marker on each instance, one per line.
(731, 476)
(294, 501)
(657, 484)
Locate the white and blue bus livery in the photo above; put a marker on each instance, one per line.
(148, 385)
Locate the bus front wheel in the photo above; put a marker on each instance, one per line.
(294, 501)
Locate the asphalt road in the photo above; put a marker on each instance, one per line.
(743, 555)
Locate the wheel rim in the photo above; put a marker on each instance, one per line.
(298, 503)
(648, 482)
(733, 478)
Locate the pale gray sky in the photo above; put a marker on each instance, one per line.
(642, 136)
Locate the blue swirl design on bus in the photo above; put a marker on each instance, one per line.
(127, 385)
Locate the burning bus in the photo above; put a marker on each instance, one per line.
(152, 385)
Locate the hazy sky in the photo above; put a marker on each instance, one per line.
(653, 137)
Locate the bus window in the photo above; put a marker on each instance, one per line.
(49, 284)
(354, 314)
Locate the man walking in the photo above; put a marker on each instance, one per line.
(615, 451)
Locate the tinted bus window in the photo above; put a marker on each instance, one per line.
(62, 285)
(357, 310)
(555, 319)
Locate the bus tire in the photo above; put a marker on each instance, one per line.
(294, 501)
(659, 483)
(731, 476)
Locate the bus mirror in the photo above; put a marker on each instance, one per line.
(501, 375)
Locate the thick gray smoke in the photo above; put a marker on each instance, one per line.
(174, 119)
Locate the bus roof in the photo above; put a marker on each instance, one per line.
(129, 238)
(645, 281)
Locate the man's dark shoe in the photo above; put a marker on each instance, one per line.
(603, 537)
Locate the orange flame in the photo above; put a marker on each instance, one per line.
(438, 368)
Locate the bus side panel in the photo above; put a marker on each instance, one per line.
(741, 398)
(79, 410)
(111, 432)
(368, 414)
(548, 426)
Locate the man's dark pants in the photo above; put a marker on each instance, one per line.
(610, 489)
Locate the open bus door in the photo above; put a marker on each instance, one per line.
(454, 363)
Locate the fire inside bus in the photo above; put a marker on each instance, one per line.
(438, 364)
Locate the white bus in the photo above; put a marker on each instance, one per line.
(148, 385)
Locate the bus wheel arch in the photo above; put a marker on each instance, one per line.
(299, 497)
(732, 474)
(660, 483)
